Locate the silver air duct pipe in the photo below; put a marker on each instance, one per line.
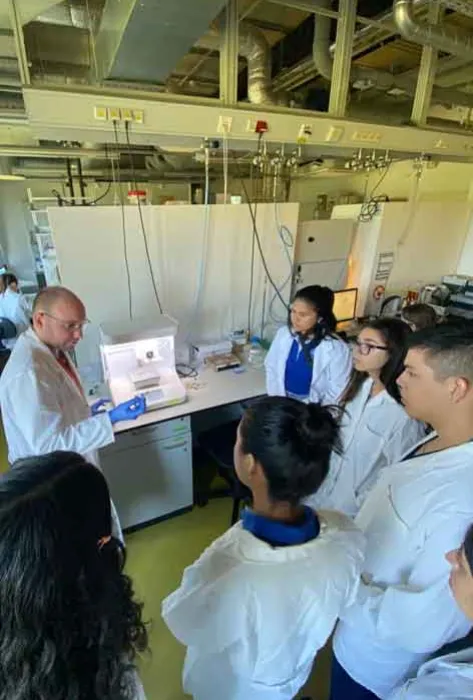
(439, 38)
(363, 77)
(256, 50)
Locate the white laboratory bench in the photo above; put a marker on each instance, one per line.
(149, 467)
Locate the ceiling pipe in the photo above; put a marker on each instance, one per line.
(464, 7)
(257, 52)
(363, 77)
(64, 153)
(440, 38)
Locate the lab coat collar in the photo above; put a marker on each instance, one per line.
(247, 547)
(279, 534)
(32, 337)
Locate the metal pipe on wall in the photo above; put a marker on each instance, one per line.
(81, 182)
(70, 181)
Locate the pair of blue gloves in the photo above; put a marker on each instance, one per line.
(128, 410)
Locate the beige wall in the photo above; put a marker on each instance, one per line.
(43, 188)
(447, 181)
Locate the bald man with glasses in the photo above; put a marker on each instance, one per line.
(43, 403)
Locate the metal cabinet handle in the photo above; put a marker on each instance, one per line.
(176, 446)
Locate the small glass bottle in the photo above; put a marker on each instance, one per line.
(256, 354)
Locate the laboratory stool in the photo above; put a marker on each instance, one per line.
(217, 443)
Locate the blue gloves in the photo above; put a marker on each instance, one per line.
(99, 406)
(129, 410)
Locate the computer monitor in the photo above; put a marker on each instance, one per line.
(344, 306)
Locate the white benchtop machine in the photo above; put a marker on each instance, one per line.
(138, 358)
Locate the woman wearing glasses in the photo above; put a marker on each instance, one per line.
(375, 429)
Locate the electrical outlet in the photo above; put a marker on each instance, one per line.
(366, 136)
(305, 132)
(138, 116)
(127, 115)
(334, 134)
(114, 114)
(224, 125)
(100, 113)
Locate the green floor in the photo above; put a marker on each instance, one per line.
(157, 556)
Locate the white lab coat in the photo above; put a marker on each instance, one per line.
(332, 366)
(44, 411)
(14, 306)
(375, 433)
(419, 510)
(447, 677)
(254, 616)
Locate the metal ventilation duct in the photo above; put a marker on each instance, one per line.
(363, 77)
(440, 38)
(143, 41)
(252, 45)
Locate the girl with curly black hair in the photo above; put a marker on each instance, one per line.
(70, 628)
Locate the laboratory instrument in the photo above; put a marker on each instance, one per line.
(138, 358)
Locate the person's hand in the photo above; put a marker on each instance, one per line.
(129, 410)
(99, 406)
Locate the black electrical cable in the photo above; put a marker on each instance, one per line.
(102, 196)
(372, 203)
(186, 371)
(257, 238)
(252, 274)
(125, 245)
(143, 230)
(252, 264)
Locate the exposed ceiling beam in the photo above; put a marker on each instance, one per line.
(340, 84)
(364, 40)
(427, 69)
(229, 54)
(268, 26)
(15, 20)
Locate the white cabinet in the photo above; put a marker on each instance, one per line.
(149, 471)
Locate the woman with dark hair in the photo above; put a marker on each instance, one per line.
(449, 677)
(69, 626)
(306, 360)
(375, 429)
(264, 598)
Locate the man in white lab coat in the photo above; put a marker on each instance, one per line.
(418, 511)
(449, 676)
(43, 404)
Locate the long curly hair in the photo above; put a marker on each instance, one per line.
(70, 628)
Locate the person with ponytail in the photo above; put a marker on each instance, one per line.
(70, 627)
(376, 431)
(306, 360)
(260, 602)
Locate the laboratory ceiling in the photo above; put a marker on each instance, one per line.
(286, 54)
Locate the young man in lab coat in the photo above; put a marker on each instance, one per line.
(43, 404)
(418, 511)
(449, 676)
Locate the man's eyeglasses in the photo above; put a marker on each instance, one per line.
(366, 348)
(69, 326)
